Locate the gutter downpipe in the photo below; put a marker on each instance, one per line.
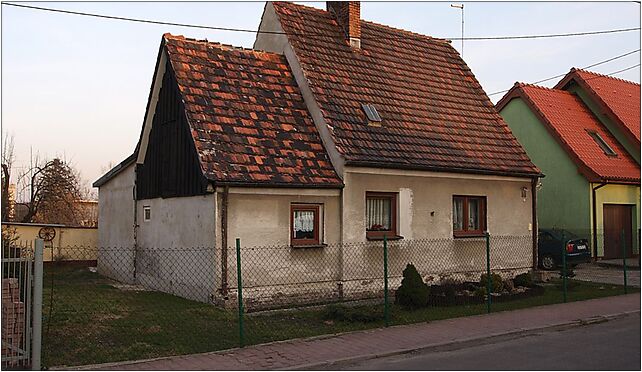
(135, 197)
(224, 205)
(534, 182)
(594, 216)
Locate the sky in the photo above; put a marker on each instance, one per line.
(77, 87)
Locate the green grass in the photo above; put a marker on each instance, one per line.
(94, 322)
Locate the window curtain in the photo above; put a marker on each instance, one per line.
(304, 224)
(378, 214)
(458, 214)
(473, 214)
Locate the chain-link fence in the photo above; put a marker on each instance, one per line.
(122, 303)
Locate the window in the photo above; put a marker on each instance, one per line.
(147, 213)
(371, 114)
(608, 150)
(305, 224)
(381, 214)
(469, 215)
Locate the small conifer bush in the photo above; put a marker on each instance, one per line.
(413, 292)
(496, 280)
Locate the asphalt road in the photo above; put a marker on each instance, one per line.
(612, 345)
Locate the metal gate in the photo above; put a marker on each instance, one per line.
(22, 274)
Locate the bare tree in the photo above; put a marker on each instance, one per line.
(7, 163)
(54, 193)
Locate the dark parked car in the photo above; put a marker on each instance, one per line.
(552, 242)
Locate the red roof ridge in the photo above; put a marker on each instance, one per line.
(391, 28)
(529, 85)
(216, 44)
(409, 33)
(574, 69)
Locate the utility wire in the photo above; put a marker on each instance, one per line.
(307, 34)
(583, 68)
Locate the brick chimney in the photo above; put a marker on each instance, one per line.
(347, 14)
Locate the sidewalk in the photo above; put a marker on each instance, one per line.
(618, 263)
(316, 352)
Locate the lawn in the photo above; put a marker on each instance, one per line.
(88, 320)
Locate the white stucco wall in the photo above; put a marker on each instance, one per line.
(176, 247)
(116, 226)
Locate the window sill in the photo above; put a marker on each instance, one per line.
(380, 238)
(469, 236)
(304, 246)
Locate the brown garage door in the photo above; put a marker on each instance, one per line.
(617, 217)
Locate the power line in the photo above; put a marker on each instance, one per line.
(583, 68)
(231, 29)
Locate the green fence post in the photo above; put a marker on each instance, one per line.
(564, 274)
(489, 283)
(386, 309)
(240, 292)
(624, 259)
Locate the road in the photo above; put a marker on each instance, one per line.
(612, 345)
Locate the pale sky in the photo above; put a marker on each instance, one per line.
(77, 87)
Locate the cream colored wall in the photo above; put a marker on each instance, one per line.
(261, 219)
(425, 222)
(425, 202)
(69, 244)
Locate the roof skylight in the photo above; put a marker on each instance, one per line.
(608, 150)
(371, 113)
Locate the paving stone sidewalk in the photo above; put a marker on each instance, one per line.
(314, 352)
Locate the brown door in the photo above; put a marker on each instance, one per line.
(617, 218)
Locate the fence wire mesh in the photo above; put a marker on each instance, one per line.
(120, 303)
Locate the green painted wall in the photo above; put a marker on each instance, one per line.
(617, 194)
(563, 201)
(632, 149)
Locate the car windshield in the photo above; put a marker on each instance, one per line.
(564, 234)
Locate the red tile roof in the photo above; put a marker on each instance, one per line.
(247, 116)
(435, 114)
(620, 98)
(569, 120)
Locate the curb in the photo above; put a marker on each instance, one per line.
(458, 344)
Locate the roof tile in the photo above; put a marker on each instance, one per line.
(571, 121)
(435, 114)
(246, 114)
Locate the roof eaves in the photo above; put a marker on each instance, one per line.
(375, 164)
(288, 185)
(115, 170)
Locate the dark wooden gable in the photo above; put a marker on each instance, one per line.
(171, 167)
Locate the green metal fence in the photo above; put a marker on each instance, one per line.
(106, 304)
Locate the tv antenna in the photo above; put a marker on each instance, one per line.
(461, 6)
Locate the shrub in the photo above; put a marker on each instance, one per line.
(413, 292)
(509, 285)
(497, 282)
(480, 292)
(523, 280)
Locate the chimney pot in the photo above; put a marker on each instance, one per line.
(348, 16)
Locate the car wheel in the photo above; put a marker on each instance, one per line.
(548, 263)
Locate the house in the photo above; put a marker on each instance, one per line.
(584, 134)
(329, 134)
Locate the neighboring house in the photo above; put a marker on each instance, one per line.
(584, 134)
(332, 131)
